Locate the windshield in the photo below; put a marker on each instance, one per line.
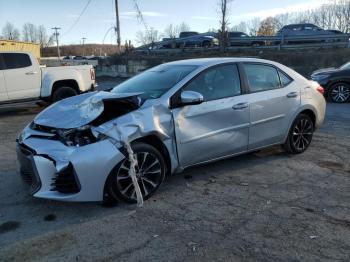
(346, 66)
(154, 82)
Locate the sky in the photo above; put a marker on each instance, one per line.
(99, 16)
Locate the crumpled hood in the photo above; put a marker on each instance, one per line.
(80, 110)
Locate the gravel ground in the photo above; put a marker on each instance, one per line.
(258, 207)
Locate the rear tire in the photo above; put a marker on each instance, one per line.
(151, 173)
(63, 92)
(300, 135)
(339, 93)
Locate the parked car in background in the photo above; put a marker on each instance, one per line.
(189, 39)
(336, 82)
(79, 57)
(187, 34)
(23, 79)
(169, 118)
(242, 39)
(304, 30)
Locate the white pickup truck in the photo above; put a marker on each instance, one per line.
(22, 79)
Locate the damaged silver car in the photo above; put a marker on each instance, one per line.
(166, 119)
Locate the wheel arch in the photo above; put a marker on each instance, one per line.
(156, 142)
(65, 83)
(309, 111)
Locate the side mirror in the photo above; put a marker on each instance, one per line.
(191, 98)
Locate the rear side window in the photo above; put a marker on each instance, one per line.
(13, 60)
(217, 82)
(285, 80)
(261, 77)
(2, 65)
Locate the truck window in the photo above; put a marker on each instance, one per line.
(16, 60)
(2, 65)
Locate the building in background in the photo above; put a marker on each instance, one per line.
(9, 45)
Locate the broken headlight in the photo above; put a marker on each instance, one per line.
(77, 137)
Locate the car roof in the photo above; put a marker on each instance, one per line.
(301, 24)
(218, 60)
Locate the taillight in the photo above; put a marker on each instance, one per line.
(92, 74)
(320, 89)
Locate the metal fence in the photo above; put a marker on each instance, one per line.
(265, 42)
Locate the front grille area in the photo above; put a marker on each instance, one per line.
(27, 168)
(66, 181)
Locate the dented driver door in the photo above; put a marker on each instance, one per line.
(219, 126)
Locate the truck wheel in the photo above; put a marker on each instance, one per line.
(63, 92)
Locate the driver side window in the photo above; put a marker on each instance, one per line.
(216, 83)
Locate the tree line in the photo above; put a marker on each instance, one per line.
(334, 15)
(30, 33)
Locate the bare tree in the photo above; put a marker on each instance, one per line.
(148, 36)
(333, 15)
(29, 33)
(42, 37)
(241, 27)
(10, 32)
(253, 26)
(223, 10)
(173, 31)
(184, 27)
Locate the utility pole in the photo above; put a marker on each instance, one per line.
(56, 34)
(117, 28)
(84, 38)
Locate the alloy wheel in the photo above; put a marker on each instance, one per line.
(302, 134)
(340, 93)
(148, 173)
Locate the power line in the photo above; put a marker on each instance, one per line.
(78, 18)
(139, 15)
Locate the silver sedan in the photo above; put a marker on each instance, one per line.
(121, 144)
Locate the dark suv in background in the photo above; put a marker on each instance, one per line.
(335, 81)
(190, 39)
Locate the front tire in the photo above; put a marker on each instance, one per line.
(151, 172)
(300, 135)
(63, 92)
(339, 93)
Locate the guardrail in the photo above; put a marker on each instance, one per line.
(259, 42)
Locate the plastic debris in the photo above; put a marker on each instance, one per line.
(132, 172)
(133, 162)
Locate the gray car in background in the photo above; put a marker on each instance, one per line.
(166, 119)
(305, 30)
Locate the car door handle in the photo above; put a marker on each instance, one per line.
(240, 106)
(31, 73)
(292, 94)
